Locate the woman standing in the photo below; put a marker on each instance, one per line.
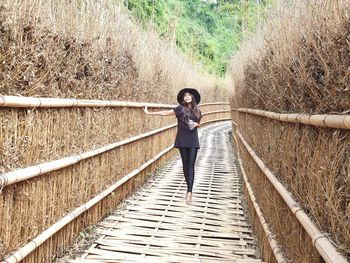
(188, 118)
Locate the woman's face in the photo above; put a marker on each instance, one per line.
(187, 97)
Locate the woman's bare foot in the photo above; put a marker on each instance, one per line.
(189, 198)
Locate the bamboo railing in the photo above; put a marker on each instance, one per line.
(321, 242)
(322, 120)
(28, 102)
(38, 170)
(24, 251)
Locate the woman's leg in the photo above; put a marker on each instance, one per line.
(184, 157)
(192, 155)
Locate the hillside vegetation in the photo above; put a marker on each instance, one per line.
(208, 32)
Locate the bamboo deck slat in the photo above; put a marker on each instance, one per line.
(160, 227)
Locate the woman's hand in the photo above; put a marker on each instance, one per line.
(196, 124)
(158, 113)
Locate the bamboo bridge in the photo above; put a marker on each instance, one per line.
(159, 227)
(67, 163)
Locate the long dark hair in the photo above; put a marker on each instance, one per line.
(189, 112)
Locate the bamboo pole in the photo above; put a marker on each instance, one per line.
(40, 169)
(272, 242)
(29, 102)
(322, 120)
(215, 103)
(328, 252)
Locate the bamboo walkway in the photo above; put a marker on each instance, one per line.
(159, 227)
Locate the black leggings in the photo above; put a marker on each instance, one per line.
(188, 156)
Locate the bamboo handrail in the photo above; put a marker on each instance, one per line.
(49, 232)
(29, 102)
(221, 119)
(24, 251)
(20, 175)
(217, 111)
(328, 252)
(272, 242)
(322, 120)
(214, 103)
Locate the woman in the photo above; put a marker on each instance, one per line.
(188, 116)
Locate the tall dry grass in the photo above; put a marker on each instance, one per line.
(299, 62)
(90, 49)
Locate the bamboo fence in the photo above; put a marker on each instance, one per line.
(39, 249)
(319, 240)
(32, 245)
(326, 249)
(275, 248)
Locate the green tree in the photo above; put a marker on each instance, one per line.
(206, 32)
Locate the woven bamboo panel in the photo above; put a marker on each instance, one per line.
(160, 227)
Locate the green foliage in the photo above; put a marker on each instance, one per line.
(207, 32)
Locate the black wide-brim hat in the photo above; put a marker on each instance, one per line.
(194, 92)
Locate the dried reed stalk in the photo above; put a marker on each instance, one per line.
(32, 136)
(298, 61)
(218, 111)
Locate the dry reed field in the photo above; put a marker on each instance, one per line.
(298, 63)
(91, 50)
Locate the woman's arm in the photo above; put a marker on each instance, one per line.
(159, 113)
